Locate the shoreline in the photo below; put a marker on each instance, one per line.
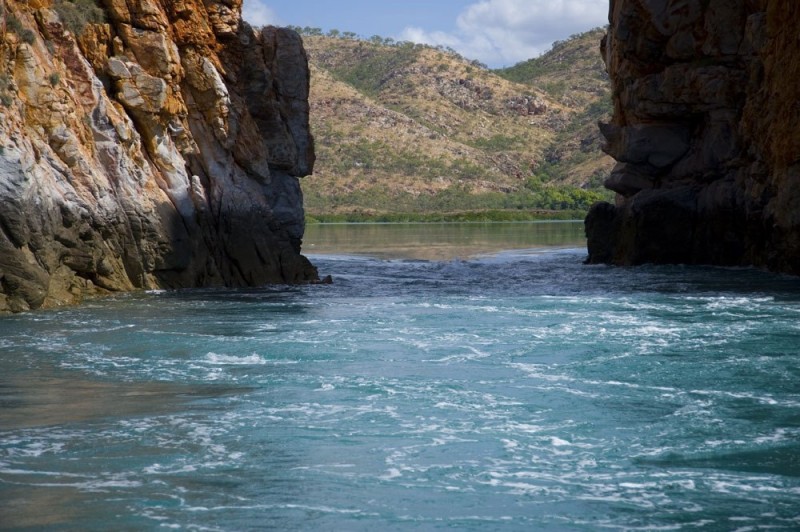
(487, 216)
(455, 222)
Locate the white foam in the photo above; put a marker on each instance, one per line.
(323, 509)
(230, 360)
(778, 436)
(38, 448)
(510, 444)
(391, 473)
(473, 355)
(92, 485)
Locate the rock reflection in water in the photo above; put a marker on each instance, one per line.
(51, 409)
(42, 401)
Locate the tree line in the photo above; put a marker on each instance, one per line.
(378, 40)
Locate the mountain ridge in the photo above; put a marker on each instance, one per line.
(401, 127)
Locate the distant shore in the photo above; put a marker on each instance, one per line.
(439, 217)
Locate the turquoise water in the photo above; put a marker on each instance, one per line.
(515, 391)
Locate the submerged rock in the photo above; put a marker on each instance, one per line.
(705, 130)
(160, 149)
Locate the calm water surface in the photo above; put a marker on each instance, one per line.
(517, 390)
(445, 241)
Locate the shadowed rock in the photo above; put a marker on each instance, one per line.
(705, 130)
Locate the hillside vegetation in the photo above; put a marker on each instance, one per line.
(409, 129)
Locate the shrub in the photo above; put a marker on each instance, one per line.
(28, 36)
(5, 98)
(13, 24)
(54, 78)
(373, 69)
(496, 143)
(76, 14)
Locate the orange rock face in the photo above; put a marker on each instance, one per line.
(705, 134)
(161, 148)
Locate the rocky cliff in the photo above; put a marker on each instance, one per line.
(159, 145)
(705, 132)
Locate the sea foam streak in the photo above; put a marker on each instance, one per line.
(231, 360)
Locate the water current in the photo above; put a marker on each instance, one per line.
(508, 390)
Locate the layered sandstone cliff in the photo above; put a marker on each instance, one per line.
(161, 148)
(705, 132)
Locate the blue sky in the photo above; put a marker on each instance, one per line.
(496, 32)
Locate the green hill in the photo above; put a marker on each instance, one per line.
(403, 128)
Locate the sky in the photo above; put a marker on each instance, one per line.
(495, 32)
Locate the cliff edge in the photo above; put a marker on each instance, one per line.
(148, 144)
(705, 132)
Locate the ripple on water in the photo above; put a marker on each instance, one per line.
(518, 392)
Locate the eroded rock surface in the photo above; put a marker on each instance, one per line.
(160, 149)
(705, 131)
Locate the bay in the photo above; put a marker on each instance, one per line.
(480, 388)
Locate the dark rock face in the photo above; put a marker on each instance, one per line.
(705, 132)
(161, 149)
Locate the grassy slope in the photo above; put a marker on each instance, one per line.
(411, 129)
(573, 73)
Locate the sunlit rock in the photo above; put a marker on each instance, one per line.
(159, 149)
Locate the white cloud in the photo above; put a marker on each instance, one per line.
(258, 14)
(504, 32)
(419, 35)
